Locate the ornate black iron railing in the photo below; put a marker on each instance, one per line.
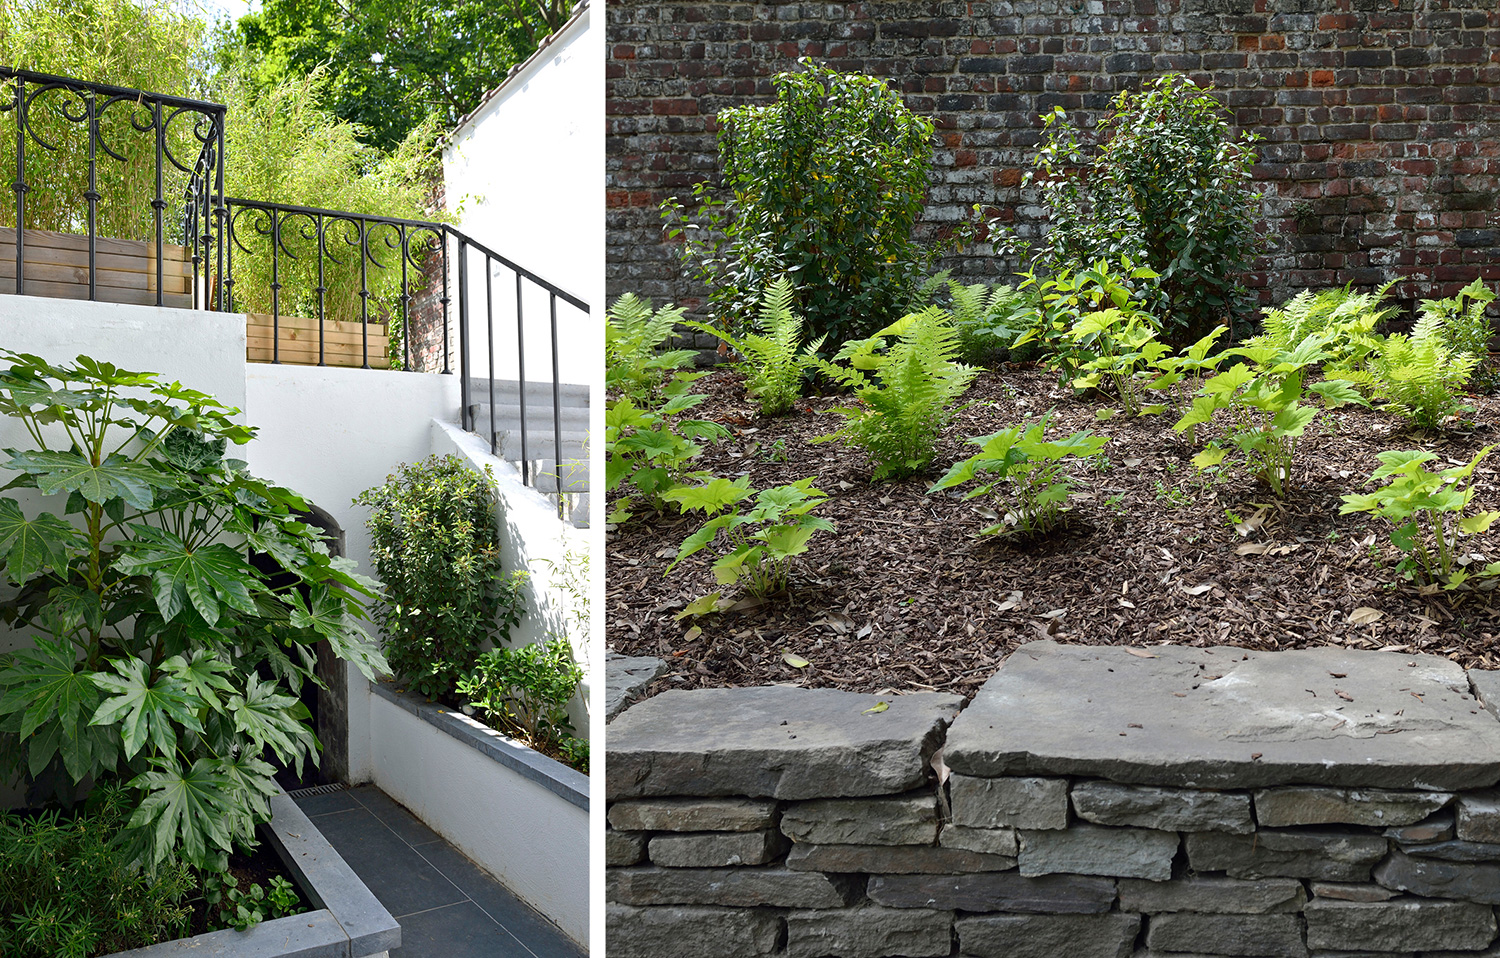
(347, 283)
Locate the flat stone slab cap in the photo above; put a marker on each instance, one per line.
(1229, 718)
(775, 742)
(625, 677)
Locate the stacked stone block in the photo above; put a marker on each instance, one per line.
(774, 833)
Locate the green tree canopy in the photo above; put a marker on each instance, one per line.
(392, 64)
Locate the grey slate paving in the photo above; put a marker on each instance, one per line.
(448, 907)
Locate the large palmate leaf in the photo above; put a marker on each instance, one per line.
(191, 809)
(115, 478)
(30, 546)
(202, 676)
(209, 577)
(146, 708)
(269, 718)
(45, 681)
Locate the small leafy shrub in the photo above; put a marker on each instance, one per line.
(1417, 376)
(1169, 187)
(635, 365)
(443, 593)
(150, 627)
(1427, 510)
(1029, 478)
(68, 888)
(1267, 415)
(762, 539)
(651, 450)
(907, 386)
(824, 184)
(1056, 302)
(1124, 346)
(1468, 330)
(772, 366)
(525, 691)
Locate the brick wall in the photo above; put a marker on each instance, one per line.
(1380, 119)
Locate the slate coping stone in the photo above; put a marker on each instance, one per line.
(1229, 718)
(625, 677)
(774, 742)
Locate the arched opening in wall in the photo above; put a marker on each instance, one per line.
(328, 703)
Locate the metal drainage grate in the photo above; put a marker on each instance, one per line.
(317, 790)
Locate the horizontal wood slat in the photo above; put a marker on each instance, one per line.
(298, 341)
(124, 270)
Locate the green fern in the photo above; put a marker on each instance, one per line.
(634, 364)
(1417, 376)
(907, 387)
(1469, 331)
(771, 365)
(988, 319)
(1348, 317)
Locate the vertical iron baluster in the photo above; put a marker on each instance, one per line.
(19, 186)
(526, 473)
(159, 204)
(92, 195)
(405, 305)
(322, 286)
(443, 239)
(364, 291)
(275, 286)
(219, 210)
(556, 410)
(226, 281)
(489, 338)
(463, 328)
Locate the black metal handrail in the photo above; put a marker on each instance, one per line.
(250, 254)
(87, 103)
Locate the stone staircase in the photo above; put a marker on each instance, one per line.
(542, 456)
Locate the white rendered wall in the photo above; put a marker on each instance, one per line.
(524, 176)
(533, 840)
(534, 539)
(331, 433)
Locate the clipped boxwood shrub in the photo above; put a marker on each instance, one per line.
(432, 530)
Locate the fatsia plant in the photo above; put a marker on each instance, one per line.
(770, 351)
(762, 538)
(1427, 510)
(907, 376)
(161, 657)
(1025, 472)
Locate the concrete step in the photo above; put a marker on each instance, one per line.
(541, 443)
(575, 476)
(538, 418)
(507, 392)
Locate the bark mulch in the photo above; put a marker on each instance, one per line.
(903, 597)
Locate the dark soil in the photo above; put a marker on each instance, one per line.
(904, 598)
(258, 868)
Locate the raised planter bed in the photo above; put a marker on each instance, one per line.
(348, 921)
(57, 265)
(518, 814)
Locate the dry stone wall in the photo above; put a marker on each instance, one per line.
(1171, 810)
(1379, 119)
